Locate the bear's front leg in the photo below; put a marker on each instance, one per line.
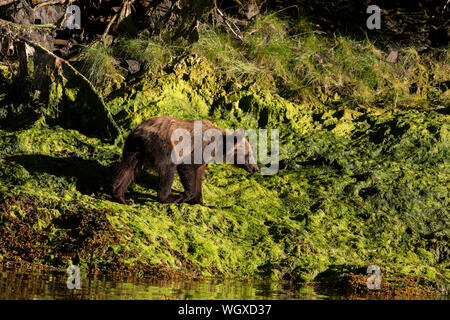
(187, 177)
(198, 197)
(166, 176)
(191, 177)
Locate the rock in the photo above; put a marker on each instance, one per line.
(392, 57)
(133, 66)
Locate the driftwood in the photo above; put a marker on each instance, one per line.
(48, 3)
(6, 2)
(22, 29)
(23, 61)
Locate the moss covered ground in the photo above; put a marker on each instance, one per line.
(363, 180)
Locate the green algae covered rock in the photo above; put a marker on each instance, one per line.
(355, 187)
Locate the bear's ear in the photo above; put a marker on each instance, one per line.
(226, 134)
(233, 135)
(240, 135)
(232, 140)
(229, 143)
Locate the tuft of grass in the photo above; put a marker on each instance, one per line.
(271, 48)
(339, 66)
(149, 53)
(99, 65)
(224, 53)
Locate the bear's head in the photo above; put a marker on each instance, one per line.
(238, 149)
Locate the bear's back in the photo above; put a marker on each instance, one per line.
(157, 131)
(165, 125)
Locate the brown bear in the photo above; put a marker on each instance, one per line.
(152, 145)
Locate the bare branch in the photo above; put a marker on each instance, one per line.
(235, 31)
(109, 27)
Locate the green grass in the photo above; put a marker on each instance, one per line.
(292, 59)
(99, 66)
(223, 53)
(149, 53)
(271, 48)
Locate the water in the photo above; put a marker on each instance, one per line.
(52, 285)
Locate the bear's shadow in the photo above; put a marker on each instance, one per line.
(92, 178)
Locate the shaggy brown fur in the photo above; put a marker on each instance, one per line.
(150, 145)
